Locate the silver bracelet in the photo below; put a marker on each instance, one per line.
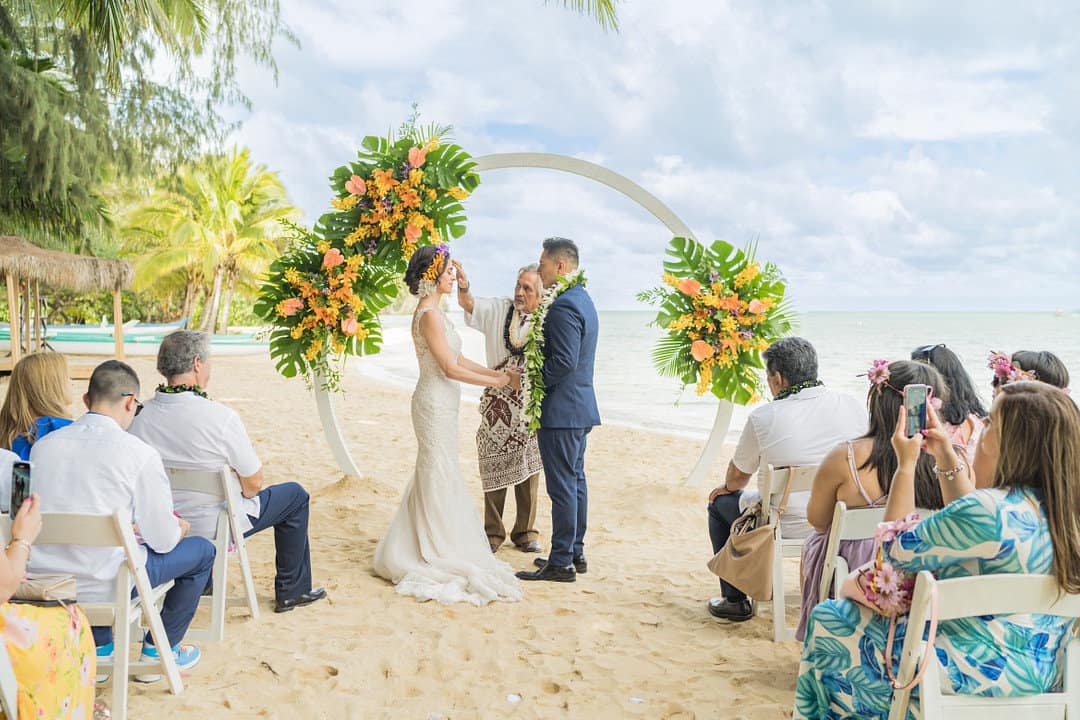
(950, 475)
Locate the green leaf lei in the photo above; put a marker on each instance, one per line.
(532, 380)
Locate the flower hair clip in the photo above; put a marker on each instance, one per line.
(878, 373)
(1004, 370)
(438, 263)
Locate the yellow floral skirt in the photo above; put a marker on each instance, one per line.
(52, 652)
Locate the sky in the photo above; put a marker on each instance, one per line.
(886, 155)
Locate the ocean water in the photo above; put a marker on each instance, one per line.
(631, 393)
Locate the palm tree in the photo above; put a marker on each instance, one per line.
(603, 11)
(220, 223)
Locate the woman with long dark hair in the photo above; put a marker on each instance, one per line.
(964, 411)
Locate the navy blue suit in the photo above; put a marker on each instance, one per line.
(568, 414)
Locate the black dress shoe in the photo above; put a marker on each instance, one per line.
(580, 565)
(733, 610)
(307, 598)
(530, 547)
(551, 573)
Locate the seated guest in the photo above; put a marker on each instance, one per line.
(963, 412)
(193, 432)
(804, 422)
(1025, 523)
(37, 401)
(51, 648)
(1040, 365)
(860, 471)
(93, 466)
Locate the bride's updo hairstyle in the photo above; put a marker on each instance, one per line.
(418, 265)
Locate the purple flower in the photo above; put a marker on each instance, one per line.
(405, 169)
(746, 334)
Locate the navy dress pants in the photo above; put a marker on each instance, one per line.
(562, 451)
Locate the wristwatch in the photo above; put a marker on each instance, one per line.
(463, 289)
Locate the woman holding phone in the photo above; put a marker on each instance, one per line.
(37, 402)
(51, 648)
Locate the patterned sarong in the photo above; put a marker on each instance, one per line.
(507, 450)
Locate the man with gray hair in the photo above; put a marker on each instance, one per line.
(799, 427)
(509, 455)
(193, 432)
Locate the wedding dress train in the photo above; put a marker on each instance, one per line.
(436, 548)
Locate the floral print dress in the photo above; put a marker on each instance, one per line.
(986, 532)
(52, 652)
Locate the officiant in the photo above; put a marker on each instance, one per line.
(508, 453)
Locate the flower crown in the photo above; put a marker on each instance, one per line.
(1004, 370)
(438, 263)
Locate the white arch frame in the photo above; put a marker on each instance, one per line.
(592, 171)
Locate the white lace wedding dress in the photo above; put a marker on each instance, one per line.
(436, 548)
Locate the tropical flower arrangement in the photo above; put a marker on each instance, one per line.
(721, 308)
(532, 380)
(323, 295)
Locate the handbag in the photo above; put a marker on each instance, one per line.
(46, 589)
(746, 560)
(879, 586)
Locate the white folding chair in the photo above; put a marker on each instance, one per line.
(987, 595)
(221, 486)
(772, 481)
(856, 524)
(9, 685)
(123, 611)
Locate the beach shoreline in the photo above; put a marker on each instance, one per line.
(632, 638)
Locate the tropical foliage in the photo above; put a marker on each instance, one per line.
(603, 11)
(721, 308)
(217, 226)
(324, 295)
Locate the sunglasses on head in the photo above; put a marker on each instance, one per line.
(138, 405)
(927, 349)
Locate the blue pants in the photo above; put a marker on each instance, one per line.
(723, 512)
(562, 451)
(188, 565)
(284, 507)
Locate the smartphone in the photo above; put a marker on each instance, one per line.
(20, 486)
(915, 399)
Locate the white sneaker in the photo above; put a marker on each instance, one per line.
(187, 657)
(105, 652)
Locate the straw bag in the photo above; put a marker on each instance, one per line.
(746, 560)
(892, 598)
(46, 590)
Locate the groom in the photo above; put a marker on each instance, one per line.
(568, 413)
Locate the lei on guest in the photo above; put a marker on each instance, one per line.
(532, 380)
(323, 296)
(177, 389)
(720, 308)
(797, 388)
(1005, 371)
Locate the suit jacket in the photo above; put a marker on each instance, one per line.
(571, 330)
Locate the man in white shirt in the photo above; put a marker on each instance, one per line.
(192, 432)
(799, 427)
(508, 453)
(93, 466)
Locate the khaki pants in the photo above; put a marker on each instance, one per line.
(525, 525)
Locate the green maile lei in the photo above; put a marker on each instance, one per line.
(532, 380)
(795, 389)
(177, 389)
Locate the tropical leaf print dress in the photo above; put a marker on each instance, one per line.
(984, 533)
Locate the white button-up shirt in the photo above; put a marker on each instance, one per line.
(489, 317)
(196, 433)
(93, 466)
(798, 430)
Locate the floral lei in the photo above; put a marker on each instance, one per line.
(177, 389)
(532, 380)
(795, 389)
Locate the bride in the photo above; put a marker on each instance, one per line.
(436, 548)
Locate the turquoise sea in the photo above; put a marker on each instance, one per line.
(631, 393)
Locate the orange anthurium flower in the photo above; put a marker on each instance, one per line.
(349, 325)
(417, 157)
(690, 286)
(756, 307)
(701, 350)
(412, 233)
(332, 258)
(356, 185)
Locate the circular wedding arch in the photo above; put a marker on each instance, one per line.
(600, 174)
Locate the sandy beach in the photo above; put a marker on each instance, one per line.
(632, 638)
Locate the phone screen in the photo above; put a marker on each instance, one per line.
(20, 486)
(915, 397)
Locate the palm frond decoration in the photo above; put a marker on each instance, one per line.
(603, 11)
(720, 308)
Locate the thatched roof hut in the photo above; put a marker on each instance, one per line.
(56, 269)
